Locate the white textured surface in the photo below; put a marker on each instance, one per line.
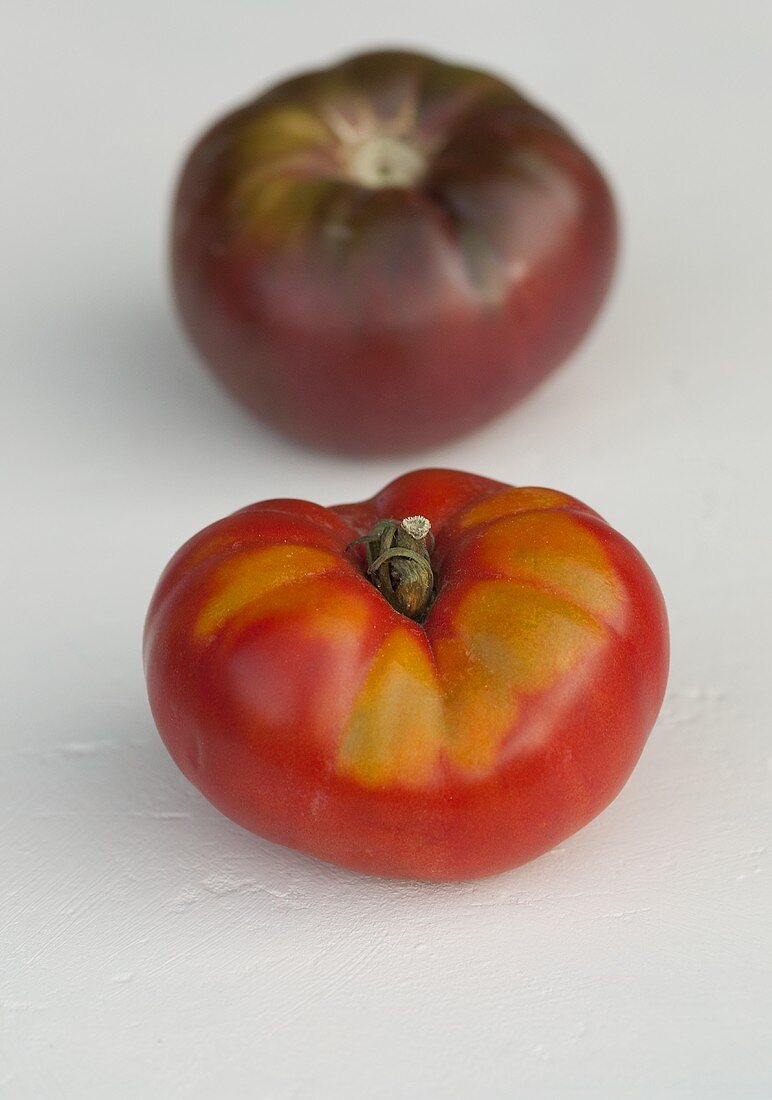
(148, 948)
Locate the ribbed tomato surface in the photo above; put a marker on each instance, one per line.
(306, 708)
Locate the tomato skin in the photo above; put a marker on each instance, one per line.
(386, 319)
(309, 711)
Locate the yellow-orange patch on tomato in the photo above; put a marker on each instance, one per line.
(509, 503)
(524, 635)
(479, 708)
(510, 641)
(286, 172)
(556, 550)
(318, 603)
(245, 578)
(395, 731)
(280, 133)
(279, 207)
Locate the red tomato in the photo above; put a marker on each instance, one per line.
(387, 253)
(462, 741)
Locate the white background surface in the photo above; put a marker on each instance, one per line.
(149, 948)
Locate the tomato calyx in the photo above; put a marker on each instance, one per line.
(399, 563)
(383, 160)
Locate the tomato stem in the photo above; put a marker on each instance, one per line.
(399, 563)
(383, 160)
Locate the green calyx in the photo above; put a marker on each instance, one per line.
(399, 565)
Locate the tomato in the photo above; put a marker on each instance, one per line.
(384, 254)
(419, 704)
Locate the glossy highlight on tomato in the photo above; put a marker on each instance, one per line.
(380, 255)
(456, 744)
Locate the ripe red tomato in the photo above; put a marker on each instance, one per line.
(455, 711)
(384, 254)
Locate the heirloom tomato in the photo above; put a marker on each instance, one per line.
(381, 255)
(438, 683)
